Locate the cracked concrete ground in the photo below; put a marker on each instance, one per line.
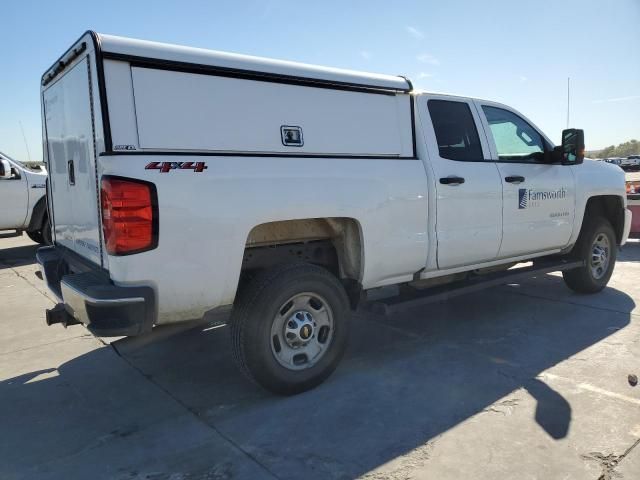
(525, 381)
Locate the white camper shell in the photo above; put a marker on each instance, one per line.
(162, 97)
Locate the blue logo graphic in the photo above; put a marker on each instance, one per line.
(522, 198)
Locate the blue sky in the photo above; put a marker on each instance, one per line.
(519, 53)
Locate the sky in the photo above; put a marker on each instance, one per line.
(518, 53)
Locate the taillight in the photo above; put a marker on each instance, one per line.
(129, 215)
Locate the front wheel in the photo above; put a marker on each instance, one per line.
(36, 236)
(43, 237)
(289, 327)
(598, 248)
(46, 232)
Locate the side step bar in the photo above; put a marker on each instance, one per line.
(10, 234)
(411, 298)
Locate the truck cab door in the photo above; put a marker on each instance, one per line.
(538, 198)
(14, 199)
(468, 189)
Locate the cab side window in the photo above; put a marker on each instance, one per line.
(455, 130)
(516, 140)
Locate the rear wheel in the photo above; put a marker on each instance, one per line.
(289, 327)
(597, 247)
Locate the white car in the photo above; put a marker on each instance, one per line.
(628, 163)
(23, 204)
(184, 181)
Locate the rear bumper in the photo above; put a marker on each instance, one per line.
(91, 298)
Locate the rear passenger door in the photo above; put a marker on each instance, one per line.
(538, 198)
(468, 187)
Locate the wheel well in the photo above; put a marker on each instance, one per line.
(334, 243)
(609, 206)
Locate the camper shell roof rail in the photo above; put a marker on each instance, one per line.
(176, 57)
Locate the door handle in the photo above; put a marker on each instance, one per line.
(71, 172)
(514, 179)
(452, 181)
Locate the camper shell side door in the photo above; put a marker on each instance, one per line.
(73, 129)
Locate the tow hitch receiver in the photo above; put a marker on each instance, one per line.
(59, 314)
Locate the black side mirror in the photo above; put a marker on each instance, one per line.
(572, 146)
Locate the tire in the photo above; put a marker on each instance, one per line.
(36, 236)
(291, 308)
(596, 239)
(43, 237)
(46, 232)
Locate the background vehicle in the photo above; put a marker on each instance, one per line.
(628, 164)
(635, 159)
(185, 181)
(23, 205)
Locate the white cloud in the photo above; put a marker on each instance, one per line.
(523, 78)
(428, 58)
(414, 32)
(425, 75)
(366, 54)
(618, 99)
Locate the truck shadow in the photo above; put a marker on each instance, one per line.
(405, 380)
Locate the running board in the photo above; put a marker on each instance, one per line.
(8, 234)
(411, 298)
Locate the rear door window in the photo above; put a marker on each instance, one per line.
(455, 130)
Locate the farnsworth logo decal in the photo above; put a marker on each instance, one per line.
(530, 197)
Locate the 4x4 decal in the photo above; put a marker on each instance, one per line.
(165, 167)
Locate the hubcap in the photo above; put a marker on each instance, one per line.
(302, 331)
(600, 252)
(299, 329)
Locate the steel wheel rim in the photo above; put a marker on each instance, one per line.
(600, 256)
(302, 331)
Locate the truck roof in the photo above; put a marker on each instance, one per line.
(143, 49)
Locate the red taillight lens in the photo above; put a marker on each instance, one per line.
(127, 215)
(633, 188)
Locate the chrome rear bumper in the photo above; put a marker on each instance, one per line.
(91, 298)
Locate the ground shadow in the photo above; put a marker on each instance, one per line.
(404, 381)
(630, 252)
(553, 412)
(18, 256)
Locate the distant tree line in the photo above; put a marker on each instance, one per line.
(632, 147)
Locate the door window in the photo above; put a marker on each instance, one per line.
(455, 130)
(515, 139)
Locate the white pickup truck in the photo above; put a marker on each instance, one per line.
(23, 206)
(185, 181)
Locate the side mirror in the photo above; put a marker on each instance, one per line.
(5, 169)
(572, 146)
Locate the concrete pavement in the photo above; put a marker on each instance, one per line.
(522, 381)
